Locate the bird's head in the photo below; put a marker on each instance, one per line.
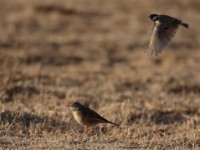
(74, 106)
(154, 17)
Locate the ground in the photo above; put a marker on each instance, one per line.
(53, 52)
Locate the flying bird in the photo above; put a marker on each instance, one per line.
(165, 28)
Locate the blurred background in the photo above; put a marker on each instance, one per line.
(52, 52)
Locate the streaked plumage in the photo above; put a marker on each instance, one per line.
(165, 28)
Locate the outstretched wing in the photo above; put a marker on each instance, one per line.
(161, 37)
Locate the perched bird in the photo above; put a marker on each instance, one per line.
(86, 116)
(164, 29)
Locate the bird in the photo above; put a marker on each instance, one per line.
(164, 29)
(86, 116)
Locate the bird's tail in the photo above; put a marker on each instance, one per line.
(113, 123)
(185, 25)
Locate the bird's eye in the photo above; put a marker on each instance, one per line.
(155, 18)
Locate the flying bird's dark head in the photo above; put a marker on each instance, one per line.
(154, 17)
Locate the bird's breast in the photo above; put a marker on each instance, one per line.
(78, 117)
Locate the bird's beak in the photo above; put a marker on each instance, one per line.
(69, 105)
(150, 16)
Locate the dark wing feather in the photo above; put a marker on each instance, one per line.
(161, 37)
(92, 115)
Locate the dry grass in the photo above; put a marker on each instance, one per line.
(93, 52)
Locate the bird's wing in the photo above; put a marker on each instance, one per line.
(92, 115)
(95, 117)
(161, 36)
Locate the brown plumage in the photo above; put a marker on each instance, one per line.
(165, 28)
(86, 116)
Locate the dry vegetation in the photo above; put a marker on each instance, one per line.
(93, 52)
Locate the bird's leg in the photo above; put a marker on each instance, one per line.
(86, 129)
(84, 133)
